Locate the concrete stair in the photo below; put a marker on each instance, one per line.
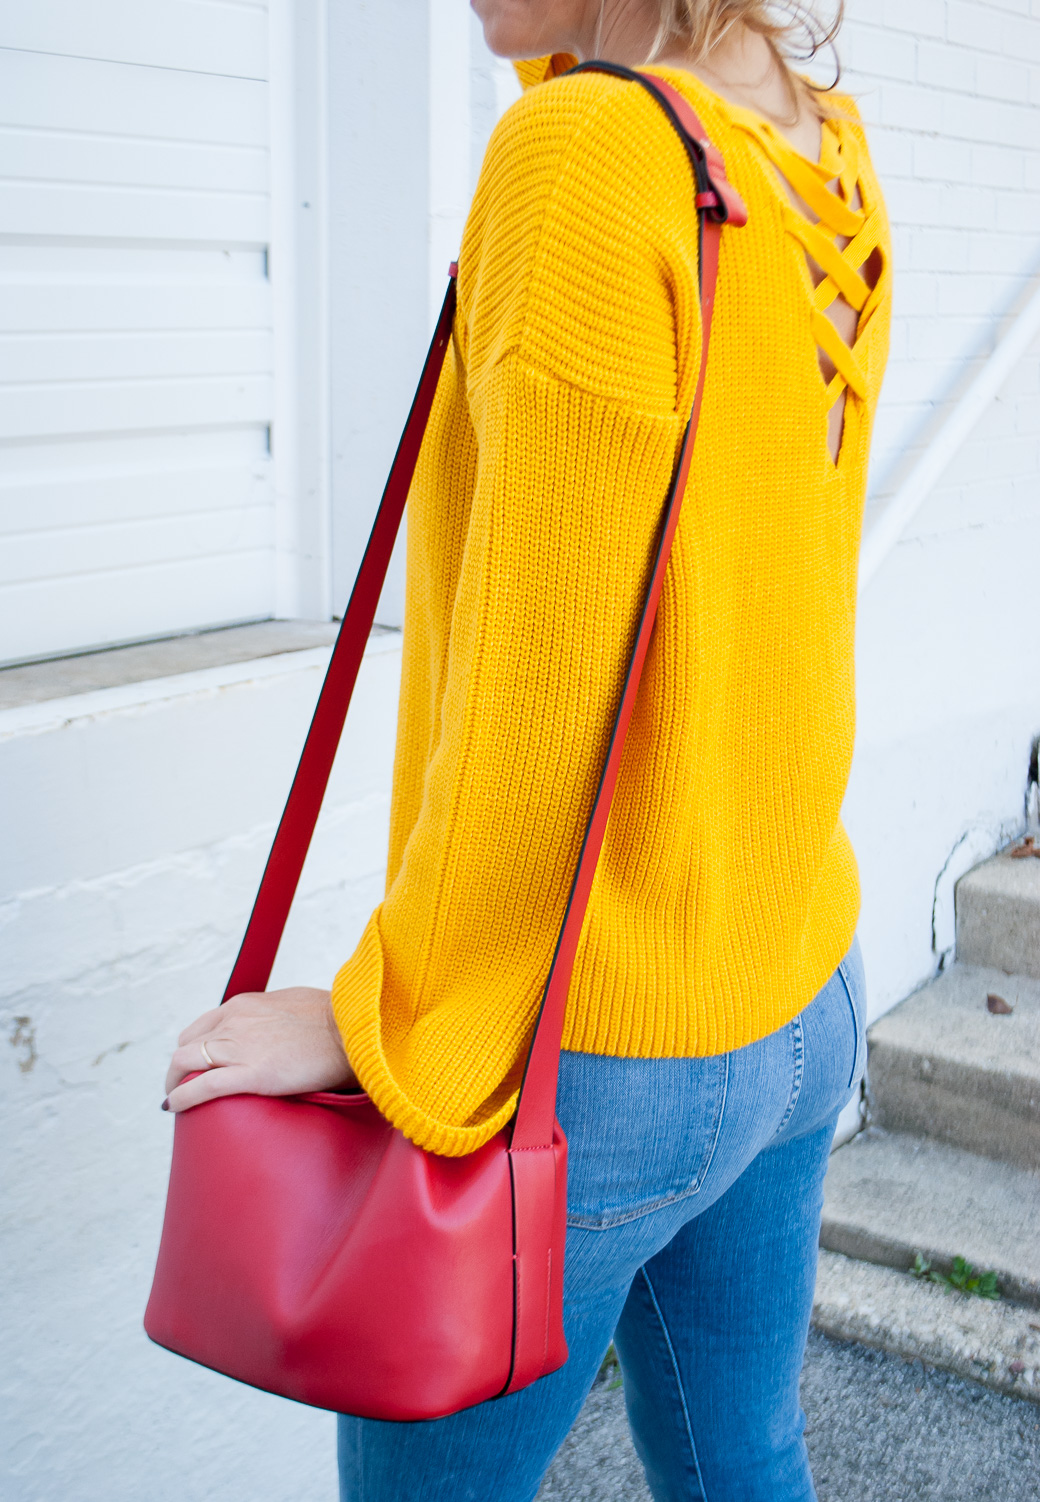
(998, 915)
(891, 1196)
(943, 1066)
(949, 1165)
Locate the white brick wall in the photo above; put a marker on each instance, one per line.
(949, 90)
(949, 693)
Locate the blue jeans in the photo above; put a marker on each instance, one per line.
(694, 1197)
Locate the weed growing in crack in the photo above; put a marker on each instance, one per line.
(961, 1276)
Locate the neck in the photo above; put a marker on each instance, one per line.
(742, 66)
(625, 31)
(615, 31)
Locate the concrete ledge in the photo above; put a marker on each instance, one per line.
(60, 677)
(995, 1343)
(50, 713)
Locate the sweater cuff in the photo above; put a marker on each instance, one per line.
(356, 994)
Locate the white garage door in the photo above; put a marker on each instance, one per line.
(135, 321)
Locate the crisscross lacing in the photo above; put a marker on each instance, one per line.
(842, 216)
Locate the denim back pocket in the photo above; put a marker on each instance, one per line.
(641, 1132)
(834, 1045)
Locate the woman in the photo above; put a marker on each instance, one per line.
(715, 1023)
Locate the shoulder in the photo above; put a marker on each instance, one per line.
(575, 111)
(582, 225)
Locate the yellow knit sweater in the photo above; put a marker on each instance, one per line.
(727, 891)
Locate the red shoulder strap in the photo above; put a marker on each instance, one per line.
(717, 204)
(252, 968)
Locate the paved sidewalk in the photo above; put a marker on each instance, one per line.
(880, 1429)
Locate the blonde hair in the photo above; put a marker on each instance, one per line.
(795, 29)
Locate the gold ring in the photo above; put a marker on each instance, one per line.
(210, 1063)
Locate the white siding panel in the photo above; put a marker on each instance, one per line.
(62, 287)
(87, 211)
(100, 550)
(166, 306)
(65, 93)
(121, 161)
(117, 406)
(55, 486)
(149, 355)
(134, 604)
(136, 361)
(196, 37)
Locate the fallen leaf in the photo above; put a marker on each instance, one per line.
(1029, 846)
(998, 1005)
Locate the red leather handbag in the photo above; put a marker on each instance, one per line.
(309, 1248)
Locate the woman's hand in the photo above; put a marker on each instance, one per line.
(260, 1043)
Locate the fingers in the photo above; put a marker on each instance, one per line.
(235, 1079)
(245, 1003)
(189, 1058)
(284, 1043)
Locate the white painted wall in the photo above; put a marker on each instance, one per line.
(379, 105)
(131, 855)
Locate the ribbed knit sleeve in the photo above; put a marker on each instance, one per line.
(532, 520)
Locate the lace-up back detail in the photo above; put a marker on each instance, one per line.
(841, 244)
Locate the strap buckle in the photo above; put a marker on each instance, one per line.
(715, 193)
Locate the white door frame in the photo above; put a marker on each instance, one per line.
(371, 166)
(298, 270)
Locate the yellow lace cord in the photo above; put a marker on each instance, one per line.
(839, 160)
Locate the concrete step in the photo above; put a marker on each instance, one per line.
(998, 915)
(888, 1196)
(993, 1342)
(943, 1066)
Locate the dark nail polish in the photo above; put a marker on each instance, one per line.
(166, 1105)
